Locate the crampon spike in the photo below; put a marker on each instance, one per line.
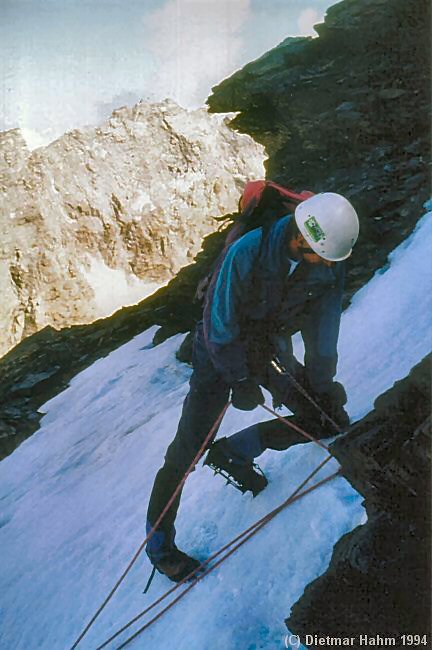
(229, 479)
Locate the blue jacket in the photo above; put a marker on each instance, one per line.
(252, 288)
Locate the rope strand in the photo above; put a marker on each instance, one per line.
(297, 494)
(264, 521)
(283, 371)
(152, 531)
(291, 425)
(202, 449)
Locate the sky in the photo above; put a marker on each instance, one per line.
(68, 63)
(74, 495)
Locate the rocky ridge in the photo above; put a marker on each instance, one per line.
(102, 216)
(347, 112)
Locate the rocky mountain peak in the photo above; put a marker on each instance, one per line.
(13, 152)
(103, 215)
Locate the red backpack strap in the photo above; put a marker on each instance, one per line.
(296, 196)
(253, 191)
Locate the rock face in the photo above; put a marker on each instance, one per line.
(381, 571)
(102, 216)
(347, 112)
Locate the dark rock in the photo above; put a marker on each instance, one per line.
(334, 111)
(32, 379)
(391, 93)
(415, 181)
(382, 567)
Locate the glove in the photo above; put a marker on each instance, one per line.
(337, 394)
(333, 401)
(339, 415)
(246, 395)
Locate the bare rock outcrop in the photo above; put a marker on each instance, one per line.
(347, 112)
(378, 581)
(102, 216)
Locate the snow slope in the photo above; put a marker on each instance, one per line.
(74, 495)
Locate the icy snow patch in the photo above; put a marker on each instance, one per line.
(387, 329)
(113, 288)
(75, 496)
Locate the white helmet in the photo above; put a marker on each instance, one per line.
(329, 224)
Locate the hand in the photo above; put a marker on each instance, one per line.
(246, 395)
(339, 416)
(333, 401)
(337, 394)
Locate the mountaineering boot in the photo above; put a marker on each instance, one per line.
(332, 404)
(177, 565)
(239, 471)
(318, 425)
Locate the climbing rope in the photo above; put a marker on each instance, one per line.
(196, 575)
(278, 366)
(296, 428)
(180, 485)
(153, 530)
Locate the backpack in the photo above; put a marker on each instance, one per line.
(261, 204)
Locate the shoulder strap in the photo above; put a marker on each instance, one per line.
(254, 189)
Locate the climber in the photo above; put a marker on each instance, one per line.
(268, 286)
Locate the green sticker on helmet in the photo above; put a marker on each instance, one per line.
(314, 229)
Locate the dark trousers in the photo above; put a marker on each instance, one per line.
(207, 396)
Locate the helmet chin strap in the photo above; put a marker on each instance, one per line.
(309, 251)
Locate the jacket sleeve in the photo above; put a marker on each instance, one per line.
(232, 290)
(320, 334)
